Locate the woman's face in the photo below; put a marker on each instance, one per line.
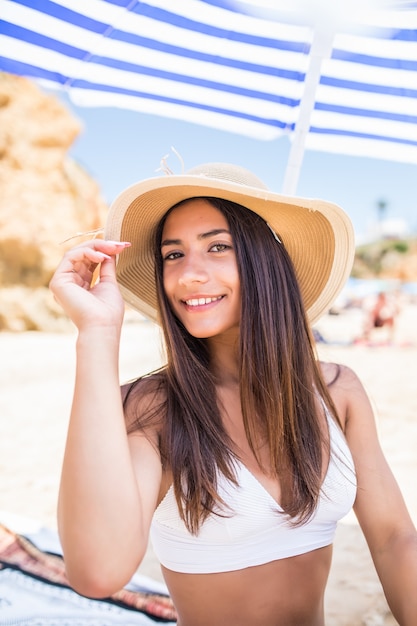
(200, 274)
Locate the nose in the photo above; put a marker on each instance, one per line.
(193, 270)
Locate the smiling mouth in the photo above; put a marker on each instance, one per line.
(202, 301)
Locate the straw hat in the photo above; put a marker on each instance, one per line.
(318, 235)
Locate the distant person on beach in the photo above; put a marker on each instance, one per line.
(382, 313)
(238, 458)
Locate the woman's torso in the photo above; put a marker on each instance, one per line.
(277, 590)
(288, 592)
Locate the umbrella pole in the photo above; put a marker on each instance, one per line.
(321, 48)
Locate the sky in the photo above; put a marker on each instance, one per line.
(118, 147)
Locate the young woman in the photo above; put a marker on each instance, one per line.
(239, 457)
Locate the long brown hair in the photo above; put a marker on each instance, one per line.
(280, 382)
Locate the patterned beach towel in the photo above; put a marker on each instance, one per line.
(34, 591)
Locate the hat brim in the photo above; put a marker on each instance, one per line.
(318, 236)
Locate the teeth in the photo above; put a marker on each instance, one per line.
(200, 301)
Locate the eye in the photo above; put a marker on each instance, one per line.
(220, 247)
(171, 256)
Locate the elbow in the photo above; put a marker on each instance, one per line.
(93, 581)
(99, 569)
(94, 584)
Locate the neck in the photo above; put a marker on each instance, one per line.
(224, 360)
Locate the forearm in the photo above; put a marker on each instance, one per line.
(99, 508)
(397, 568)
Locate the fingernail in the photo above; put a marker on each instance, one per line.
(126, 244)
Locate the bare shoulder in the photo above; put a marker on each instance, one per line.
(340, 376)
(346, 390)
(143, 403)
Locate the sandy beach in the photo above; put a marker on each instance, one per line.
(36, 378)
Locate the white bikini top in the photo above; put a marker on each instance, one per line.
(254, 530)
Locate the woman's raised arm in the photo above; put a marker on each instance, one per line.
(105, 508)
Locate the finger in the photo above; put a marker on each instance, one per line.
(87, 256)
(106, 270)
(105, 246)
(81, 259)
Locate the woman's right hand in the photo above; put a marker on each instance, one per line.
(89, 302)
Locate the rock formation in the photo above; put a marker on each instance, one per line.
(45, 198)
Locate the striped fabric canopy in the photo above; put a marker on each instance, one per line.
(217, 63)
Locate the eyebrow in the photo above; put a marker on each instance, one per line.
(210, 233)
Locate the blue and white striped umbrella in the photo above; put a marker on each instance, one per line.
(338, 85)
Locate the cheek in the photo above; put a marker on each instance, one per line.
(231, 274)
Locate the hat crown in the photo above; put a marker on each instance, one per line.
(228, 172)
